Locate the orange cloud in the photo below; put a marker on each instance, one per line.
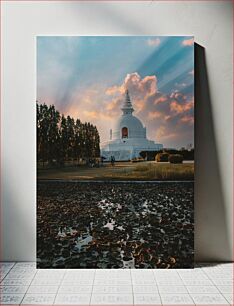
(111, 106)
(139, 88)
(90, 115)
(114, 90)
(133, 82)
(188, 42)
(180, 108)
(139, 105)
(160, 100)
(188, 119)
(167, 117)
(154, 115)
(95, 116)
(163, 133)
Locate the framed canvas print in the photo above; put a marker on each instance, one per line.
(115, 152)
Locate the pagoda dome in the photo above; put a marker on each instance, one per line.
(128, 137)
(128, 126)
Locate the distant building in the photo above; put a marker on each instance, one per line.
(128, 138)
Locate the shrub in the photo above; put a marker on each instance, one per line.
(175, 158)
(162, 157)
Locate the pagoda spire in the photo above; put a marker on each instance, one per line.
(127, 106)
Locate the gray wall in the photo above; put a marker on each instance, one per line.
(211, 24)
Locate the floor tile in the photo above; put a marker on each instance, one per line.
(43, 289)
(229, 298)
(72, 299)
(164, 289)
(112, 289)
(176, 299)
(147, 299)
(225, 289)
(195, 277)
(13, 289)
(143, 281)
(222, 277)
(38, 299)
(190, 271)
(113, 272)
(77, 282)
(20, 276)
(53, 275)
(145, 277)
(113, 282)
(167, 276)
(46, 282)
(53, 271)
(114, 277)
(145, 289)
(209, 299)
(69, 278)
(16, 282)
(196, 282)
(222, 282)
(50, 273)
(22, 270)
(7, 264)
(26, 264)
(168, 282)
(112, 299)
(65, 289)
(72, 277)
(85, 271)
(207, 285)
(3, 275)
(202, 289)
(142, 273)
(4, 270)
(11, 299)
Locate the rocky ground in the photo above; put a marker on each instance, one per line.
(115, 225)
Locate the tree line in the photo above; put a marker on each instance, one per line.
(61, 138)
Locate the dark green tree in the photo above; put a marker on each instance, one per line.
(61, 139)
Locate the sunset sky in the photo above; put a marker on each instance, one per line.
(85, 77)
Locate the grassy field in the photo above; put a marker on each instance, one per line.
(163, 171)
(123, 171)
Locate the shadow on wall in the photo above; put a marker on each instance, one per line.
(107, 15)
(211, 232)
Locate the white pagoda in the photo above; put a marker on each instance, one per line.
(128, 137)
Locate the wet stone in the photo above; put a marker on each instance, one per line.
(115, 225)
